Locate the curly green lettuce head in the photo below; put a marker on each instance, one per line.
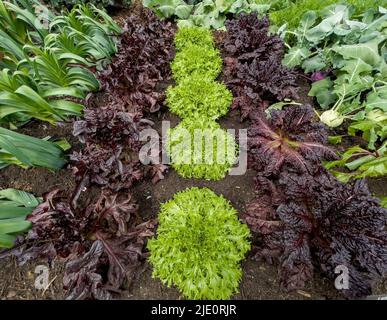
(186, 36)
(196, 60)
(200, 245)
(199, 148)
(197, 96)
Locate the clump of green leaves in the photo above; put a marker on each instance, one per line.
(25, 151)
(193, 36)
(170, 8)
(210, 14)
(362, 163)
(44, 63)
(329, 39)
(291, 11)
(198, 147)
(200, 245)
(15, 205)
(196, 60)
(199, 96)
(201, 149)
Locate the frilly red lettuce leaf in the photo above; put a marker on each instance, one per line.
(289, 139)
(320, 224)
(142, 62)
(253, 67)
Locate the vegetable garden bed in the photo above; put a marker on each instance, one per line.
(99, 212)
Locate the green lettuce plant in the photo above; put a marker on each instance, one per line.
(362, 163)
(200, 245)
(199, 148)
(198, 96)
(193, 36)
(196, 60)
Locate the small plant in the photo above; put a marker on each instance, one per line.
(200, 148)
(193, 36)
(200, 244)
(26, 151)
(199, 96)
(15, 205)
(196, 60)
(361, 162)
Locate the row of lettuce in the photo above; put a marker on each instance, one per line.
(200, 240)
(199, 100)
(303, 217)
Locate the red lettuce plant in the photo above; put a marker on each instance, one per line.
(110, 155)
(102, 241)
(306, 219)
(253, 69)
(142, 62)
(289, 138)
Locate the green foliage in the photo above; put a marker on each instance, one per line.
(170, 8)
(295, 9)
(329, 39)
(22, 99)
(193, 36)
(198, 147)
(26, 151)
(85, 31)
(195, 68)
(361, 163)
(62, 4)
(353, 47)
(201, 149)
(210, 14)
(200, 245)
(15, 205)
(196, 60)
(291, 13)
(197, 96)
